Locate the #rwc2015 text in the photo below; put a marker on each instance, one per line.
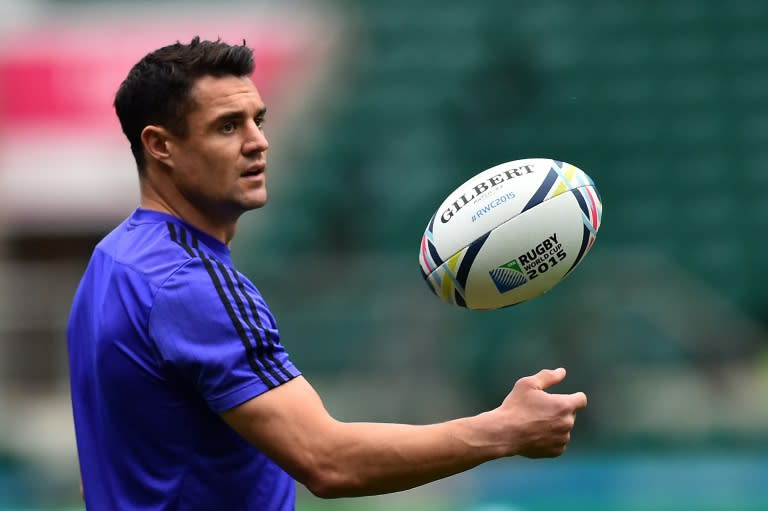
(483, 187)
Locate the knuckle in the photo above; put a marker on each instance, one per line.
(558, 450)
(522, 382)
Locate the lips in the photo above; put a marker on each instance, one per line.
(255, 170)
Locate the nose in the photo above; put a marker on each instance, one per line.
(255, 141)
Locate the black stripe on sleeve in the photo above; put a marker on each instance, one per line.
(172, 231)
(263, 346)
(268, 337)
(252, 360)
(180, 241)
(180, 236)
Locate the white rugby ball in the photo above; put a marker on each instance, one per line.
(510, 233)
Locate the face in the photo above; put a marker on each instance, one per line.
(219, 168)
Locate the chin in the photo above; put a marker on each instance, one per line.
(256, 202)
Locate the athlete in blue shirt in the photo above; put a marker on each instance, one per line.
(184, 398)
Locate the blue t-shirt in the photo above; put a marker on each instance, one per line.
(163, 335)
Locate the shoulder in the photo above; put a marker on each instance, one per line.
(201, 280)
(204, 287)
(155, 251)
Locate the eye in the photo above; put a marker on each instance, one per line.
(228, 127)
(260, 122)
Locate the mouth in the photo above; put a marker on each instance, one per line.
(254, 171)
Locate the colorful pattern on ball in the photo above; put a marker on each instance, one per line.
(564, 177)
(450, 278)
(448, 274)
(428, 252)
(561, 178)
(591, 215)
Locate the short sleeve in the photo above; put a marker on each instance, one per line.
(214, 328)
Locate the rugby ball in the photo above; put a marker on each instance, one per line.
(510, 233)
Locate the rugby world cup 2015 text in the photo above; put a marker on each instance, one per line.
(542, 257)
(483, 187)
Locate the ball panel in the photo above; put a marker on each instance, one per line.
(448, 281)
(527, 255)
(484, 201)
(591, 208)
(496, 195)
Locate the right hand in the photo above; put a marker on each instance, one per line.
(538, 423)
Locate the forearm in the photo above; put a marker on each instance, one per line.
(371, 458)
(335, 459)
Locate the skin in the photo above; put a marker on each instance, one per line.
(218, 171)
(204, 179)
(338, 459)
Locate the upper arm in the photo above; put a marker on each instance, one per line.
(286, 424)
(214, 329)
(339, 459)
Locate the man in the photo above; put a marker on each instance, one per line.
(183, 395)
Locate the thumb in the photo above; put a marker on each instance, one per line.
(547, 377)
(578, 400)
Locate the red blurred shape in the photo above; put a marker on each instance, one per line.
(66, 81)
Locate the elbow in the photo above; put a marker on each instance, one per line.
(327, 483)
(322, 489)
(329, 466)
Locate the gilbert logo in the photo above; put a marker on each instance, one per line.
(482, 187)
(508, 276)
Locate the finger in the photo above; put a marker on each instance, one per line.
(578, 400)
(547, 377)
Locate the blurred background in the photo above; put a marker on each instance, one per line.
(377, 111)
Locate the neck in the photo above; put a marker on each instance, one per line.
(223, 231)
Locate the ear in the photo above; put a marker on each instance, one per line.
(156, 143)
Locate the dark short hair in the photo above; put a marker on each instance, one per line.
(158, 88)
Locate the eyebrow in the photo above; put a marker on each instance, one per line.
(237, 114)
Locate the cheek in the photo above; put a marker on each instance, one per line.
(209, 166)
(204, 165)
(219, 157)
